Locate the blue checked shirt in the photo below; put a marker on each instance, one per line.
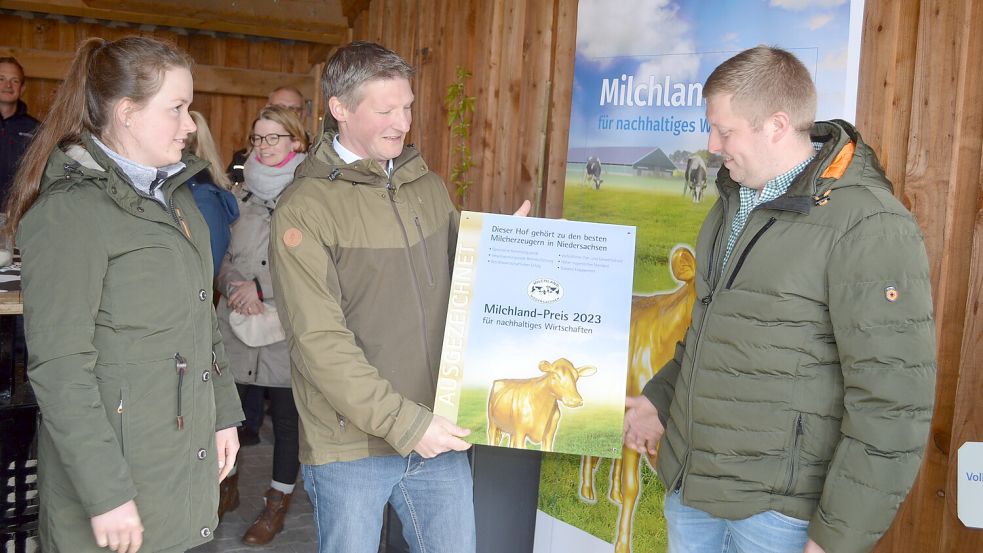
(750, 200)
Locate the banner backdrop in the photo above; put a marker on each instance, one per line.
(637, 156)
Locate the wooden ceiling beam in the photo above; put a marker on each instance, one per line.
(299, 15)
(50, 64)
(224, 21)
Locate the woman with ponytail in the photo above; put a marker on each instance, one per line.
(138, 408)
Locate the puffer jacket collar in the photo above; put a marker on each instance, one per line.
(812, 183)
(324, 163)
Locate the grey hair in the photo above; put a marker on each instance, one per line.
(355, 64)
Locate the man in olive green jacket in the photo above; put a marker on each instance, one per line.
(796, 411)
(362, 247)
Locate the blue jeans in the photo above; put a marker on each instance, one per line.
(433, 498)
(694, 531)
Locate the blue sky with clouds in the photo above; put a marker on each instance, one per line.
(686, 39)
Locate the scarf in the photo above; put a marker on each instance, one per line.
(266, 182)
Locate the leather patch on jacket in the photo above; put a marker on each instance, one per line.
(292, 237)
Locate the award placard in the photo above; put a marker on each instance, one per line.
(535, 352)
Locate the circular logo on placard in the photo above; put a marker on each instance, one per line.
(545, 290)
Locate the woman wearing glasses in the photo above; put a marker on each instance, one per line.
(278, 146)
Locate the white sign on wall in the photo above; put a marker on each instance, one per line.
(969, 489)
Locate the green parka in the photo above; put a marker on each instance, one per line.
(117, 305)
(805, 383)
(361, 267)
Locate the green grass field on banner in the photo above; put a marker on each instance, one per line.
(559, 497)
(595, 429)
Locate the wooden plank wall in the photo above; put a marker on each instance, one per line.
(920, 105)
(228, 115)
(521, 56)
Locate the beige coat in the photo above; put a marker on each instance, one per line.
(247, 259)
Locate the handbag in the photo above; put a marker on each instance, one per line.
(258, 330)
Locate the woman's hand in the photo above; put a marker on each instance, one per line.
(244, 298)
(227, 445)
(120, 528)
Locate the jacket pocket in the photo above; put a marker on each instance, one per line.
(793, 465)
(118, 417)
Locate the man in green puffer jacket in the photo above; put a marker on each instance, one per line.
(794, 415)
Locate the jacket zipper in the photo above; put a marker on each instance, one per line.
(174, 212)
(119, 411)
(416, 281)
(426, 251)
(747, 250)
(179, 218)
(795, 454)
(706, 300)
(181, 365)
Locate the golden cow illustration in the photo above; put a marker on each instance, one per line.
(658, 322)
(529, 408)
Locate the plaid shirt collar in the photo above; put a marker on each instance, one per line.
(750, 199)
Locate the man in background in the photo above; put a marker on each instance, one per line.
(16, 131)
(16, 126)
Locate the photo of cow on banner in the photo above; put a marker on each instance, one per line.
(638, 125)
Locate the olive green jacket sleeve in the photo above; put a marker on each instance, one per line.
(322, 348)
(880, 305)
(62, 279)
(661, 388)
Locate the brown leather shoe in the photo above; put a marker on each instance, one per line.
(269, 523)
(228, 495)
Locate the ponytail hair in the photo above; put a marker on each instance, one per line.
(102, 74)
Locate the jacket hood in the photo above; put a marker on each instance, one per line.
(838, 164)
(85, 161)
(323, 162)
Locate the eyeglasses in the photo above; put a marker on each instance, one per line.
(271, 139)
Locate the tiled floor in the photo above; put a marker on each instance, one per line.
(255, 469)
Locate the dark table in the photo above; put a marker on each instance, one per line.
(18, 429)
